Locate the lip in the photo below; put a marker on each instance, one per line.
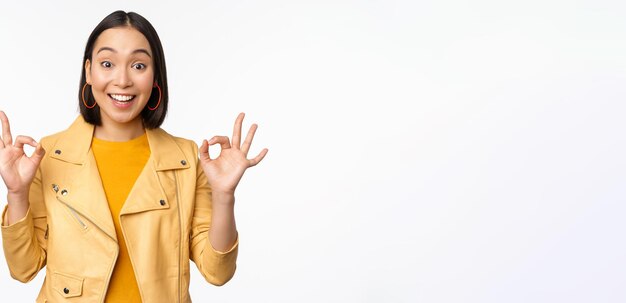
(122, 94)
(122, 104)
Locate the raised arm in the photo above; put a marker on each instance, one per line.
(214, 241)
(224, 174)
(17, 169)
(23, 226)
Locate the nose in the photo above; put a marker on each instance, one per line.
(122, 78)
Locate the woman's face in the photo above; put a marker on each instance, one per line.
(121, 74)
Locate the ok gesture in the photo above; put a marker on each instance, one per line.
(225, 171)
(17, 169)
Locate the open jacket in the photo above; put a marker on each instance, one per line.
(68, 228)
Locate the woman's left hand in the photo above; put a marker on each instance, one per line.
(225, 171)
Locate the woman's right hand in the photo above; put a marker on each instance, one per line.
(16, 168)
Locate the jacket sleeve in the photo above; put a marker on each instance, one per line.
(25, 241)
(216, 267)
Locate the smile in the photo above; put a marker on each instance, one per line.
(121, 98)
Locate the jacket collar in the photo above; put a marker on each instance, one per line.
(74, 145)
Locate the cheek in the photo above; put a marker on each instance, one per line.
(99, 80)
(144, 83)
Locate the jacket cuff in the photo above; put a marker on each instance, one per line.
(18, 229)
(232, 249)
(219, 267)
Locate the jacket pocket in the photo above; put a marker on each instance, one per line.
(67, 285)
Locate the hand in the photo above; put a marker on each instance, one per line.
(225, 171)
(17, 169)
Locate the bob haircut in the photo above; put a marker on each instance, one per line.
(151, 119)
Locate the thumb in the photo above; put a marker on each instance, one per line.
(204, 151)
(38, 153)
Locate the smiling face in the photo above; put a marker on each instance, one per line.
(121, 75)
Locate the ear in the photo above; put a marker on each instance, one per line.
(88, 71)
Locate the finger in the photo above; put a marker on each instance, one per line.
(6, 130)
(21, 140)
(246, 143)
(258, 158)
(204, 151)
(222, 140)
(38, 154)
(237, 130)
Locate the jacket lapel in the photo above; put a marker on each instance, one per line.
(148, 193)
(86, 195)
(84, 191)
(151, 188)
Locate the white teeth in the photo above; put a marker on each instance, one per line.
(122, 98)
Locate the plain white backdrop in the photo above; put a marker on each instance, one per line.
(419, 151)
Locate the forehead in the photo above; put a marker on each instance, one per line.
(123, 40)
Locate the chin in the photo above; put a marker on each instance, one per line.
(124, 118)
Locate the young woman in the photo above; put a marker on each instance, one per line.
(114, 206)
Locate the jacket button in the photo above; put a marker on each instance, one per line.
(64, 192)
(55, 188)
(58, 151)
(66, 291)
(162, 202)
(183, 162)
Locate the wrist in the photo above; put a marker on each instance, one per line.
(223, 197)
(17, 208)
(222, 192)
(18, 197)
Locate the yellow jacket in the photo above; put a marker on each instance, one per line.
(69, 228)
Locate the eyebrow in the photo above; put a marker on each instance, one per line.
(140, 50)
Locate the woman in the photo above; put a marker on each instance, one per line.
(115, 206)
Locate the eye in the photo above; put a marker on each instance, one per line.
(106, 64)
(139, 66)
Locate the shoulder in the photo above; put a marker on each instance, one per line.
(49, 141)
(162, 138)
(180, 141)
(77, 137)
(185, 144)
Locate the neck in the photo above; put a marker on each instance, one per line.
(119, 132)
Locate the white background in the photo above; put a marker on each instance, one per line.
(440, 151)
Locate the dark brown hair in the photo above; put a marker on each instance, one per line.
(151, 119)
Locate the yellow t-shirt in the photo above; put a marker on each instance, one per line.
(119, 164)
